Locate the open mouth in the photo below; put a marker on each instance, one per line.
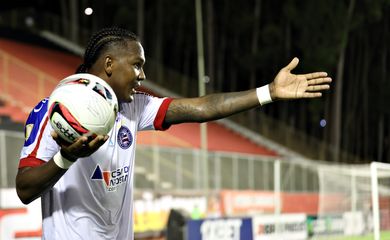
(134, 89)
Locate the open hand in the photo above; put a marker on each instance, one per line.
(82, 147)
(287, 85)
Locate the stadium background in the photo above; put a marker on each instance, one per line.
(256, 157)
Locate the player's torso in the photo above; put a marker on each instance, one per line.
(108, 171)
(112, 164)
(93, 198)
(97, 190)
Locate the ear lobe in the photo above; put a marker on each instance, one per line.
(108, 65)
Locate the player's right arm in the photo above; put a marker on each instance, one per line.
(32, 182)
(38, 172)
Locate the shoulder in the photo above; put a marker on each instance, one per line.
(39, 111)
(141, 98)
(36, 121)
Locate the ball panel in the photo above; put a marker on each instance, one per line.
(102, 128)
(61, 126)
(88, 105)
(79, 81)
(89, 78)
(96, 111)
(65, 113)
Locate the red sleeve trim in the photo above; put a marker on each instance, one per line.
(30, 162)
(162, 111)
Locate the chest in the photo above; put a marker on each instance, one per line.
(118, 151)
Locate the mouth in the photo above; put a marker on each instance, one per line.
(134, 89)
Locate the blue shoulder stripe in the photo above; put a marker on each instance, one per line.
(33, 122)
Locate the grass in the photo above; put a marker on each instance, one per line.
(384, 236)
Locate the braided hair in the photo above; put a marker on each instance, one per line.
(101, 41)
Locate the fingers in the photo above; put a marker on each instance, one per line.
(292, 64)
(314, 91)
(86, 146)
(312, 95)
(317, 88)
(319, 81)
(75, 150)
(80, 142)
(318, 84)
(82, 147)
(315, 75)
(60, 141)
(97, 142)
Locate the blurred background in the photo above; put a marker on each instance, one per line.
(279, 152)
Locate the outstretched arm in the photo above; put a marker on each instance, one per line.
(285, 86)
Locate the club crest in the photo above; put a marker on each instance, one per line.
(125, 139)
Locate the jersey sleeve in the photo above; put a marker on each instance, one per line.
(39, 147)
(152, 111)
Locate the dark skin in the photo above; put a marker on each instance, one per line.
(123, 70)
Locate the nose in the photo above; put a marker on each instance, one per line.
(142, 75)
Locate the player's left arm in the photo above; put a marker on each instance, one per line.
(286, 86)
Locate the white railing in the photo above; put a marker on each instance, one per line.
(162, 168)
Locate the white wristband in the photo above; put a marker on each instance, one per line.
(263, 95)
(62, 162)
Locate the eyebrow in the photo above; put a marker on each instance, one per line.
(138, 59)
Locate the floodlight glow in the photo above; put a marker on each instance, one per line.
(88, 11)
(323, 123)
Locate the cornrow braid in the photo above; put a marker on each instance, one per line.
(102, 40)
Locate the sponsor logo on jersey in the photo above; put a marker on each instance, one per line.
(38, 108)
(112, 179)
(125, 139)
(67, 131)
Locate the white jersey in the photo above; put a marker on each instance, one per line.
(94, 198)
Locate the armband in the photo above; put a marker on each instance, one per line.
(62, 162)
(263, 95)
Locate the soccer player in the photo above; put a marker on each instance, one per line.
(86, 188)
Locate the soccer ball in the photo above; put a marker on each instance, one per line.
(82, 105)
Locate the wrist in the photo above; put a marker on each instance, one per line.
(61, 161)
(264, 94)
(67, 156)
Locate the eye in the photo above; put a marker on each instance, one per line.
(138, 66)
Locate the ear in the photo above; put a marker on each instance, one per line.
(108, 65)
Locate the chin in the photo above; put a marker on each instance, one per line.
(128, 98)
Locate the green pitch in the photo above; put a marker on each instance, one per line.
(384, 236)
